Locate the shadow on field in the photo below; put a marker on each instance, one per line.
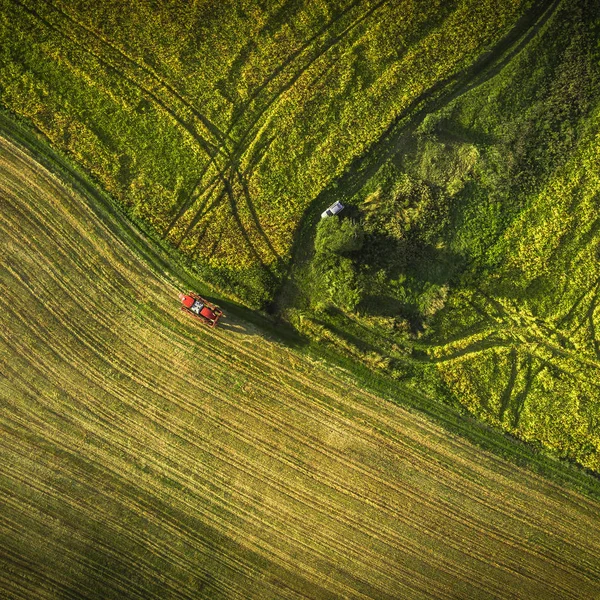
(412, 257)
(245, 321)
(235, 326)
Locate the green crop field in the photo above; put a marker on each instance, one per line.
(146, 456)
(219, 123)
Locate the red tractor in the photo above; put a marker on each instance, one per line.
(200, 308)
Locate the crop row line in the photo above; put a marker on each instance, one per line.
(135, 499)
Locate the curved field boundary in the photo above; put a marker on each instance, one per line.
(147, 457)
(165, 266)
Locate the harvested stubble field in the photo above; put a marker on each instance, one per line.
(144, 456)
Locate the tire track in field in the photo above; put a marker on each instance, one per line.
(233, 161)
(594, 290)
(221, 146)
(212, 151)
(221, 138)
(322, 51)
(480, 72)
(206, 146)
(250, 130)
(327, 27)
(512, 326)
(239, 147)
(515, 330)
(592, 326)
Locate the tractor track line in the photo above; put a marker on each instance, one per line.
(209, 125)
(239, 149)
(189, 201)
(206, 146)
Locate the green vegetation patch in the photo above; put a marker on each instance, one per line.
(219, 124)
(479, 268)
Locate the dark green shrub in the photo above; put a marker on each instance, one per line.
(338, 236)
(334, 281)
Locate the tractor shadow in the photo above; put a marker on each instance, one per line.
(235, 326)
(242, 321)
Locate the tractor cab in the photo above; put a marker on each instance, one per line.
(197, 307)
(200, 308)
